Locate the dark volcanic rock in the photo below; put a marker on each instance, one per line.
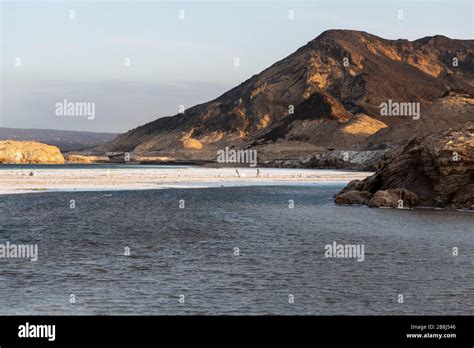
(437, 169)
(394, 198)
(353, 197)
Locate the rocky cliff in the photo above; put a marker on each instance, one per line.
(437, 170)
(29, 152)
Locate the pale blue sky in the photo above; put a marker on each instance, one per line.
(174, 61)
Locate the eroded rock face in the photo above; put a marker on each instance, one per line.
(437, 170)
(29, 152)
(464, 198)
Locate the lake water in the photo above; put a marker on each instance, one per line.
(191, 252)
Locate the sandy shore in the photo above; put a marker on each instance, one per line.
(123, 178)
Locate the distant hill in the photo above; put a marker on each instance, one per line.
(29, 152)
(325, 96)
(65, 140)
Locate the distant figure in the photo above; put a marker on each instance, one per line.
(32, 173)
(237, 173)
(258, 173)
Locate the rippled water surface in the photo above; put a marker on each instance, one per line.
(190, 251)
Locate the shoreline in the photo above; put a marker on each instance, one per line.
(32, 180)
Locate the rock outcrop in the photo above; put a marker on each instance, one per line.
(29, 152)
(437, 170)
(82, 159)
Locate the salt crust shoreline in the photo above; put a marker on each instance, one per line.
(29, 180)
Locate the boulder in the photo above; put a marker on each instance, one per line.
(394, 198)
(353, 197)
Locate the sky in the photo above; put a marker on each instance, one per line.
(137, 61)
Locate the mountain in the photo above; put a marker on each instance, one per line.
(65, 140)
(324, 97)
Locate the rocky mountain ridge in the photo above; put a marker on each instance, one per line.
(65, 140)
(325, 96)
